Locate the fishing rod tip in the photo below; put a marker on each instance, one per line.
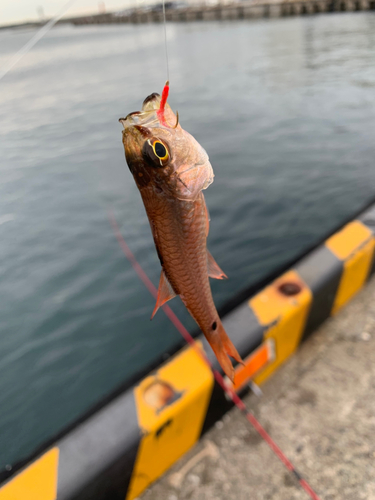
(166, 83)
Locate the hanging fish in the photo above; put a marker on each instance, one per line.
(171, 169)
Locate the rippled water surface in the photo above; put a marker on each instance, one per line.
(285, 109)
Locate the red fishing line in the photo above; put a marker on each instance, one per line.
(217, 375)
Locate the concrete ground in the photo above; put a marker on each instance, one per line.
(319, 408)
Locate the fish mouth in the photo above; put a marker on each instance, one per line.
(151, 102)
(145, 118)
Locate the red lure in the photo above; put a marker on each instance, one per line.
(163, 101)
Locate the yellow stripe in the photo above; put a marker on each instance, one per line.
(171, 408)
(349, 239)
(354, 245)
(285, 315)
(36, 482)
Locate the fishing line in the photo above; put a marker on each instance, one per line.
(165, 40)
(217, 375)
(35, 39)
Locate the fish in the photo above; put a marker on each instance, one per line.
(171, 170)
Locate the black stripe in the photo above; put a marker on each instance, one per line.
(97, 459)
(246, 334)
(368, 219)
(322, 272)
(217, 407)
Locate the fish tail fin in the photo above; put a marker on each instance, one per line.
(229, 346)
(223, 348)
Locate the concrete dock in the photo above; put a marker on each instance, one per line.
(242, 9)
(319, 408)
(228, 11)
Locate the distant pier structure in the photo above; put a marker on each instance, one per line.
(227, 11)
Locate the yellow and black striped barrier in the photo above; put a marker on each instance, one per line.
(125, 446)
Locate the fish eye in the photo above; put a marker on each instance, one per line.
(160, 150)
(156, 152)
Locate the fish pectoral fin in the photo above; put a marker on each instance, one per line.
(213, 268)
(165, 293)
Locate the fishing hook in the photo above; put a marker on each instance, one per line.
(177, 119)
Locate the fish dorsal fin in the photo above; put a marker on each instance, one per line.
(165, 292)
(214, 270)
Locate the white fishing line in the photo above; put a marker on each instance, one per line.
(38, 35)
(165, 40)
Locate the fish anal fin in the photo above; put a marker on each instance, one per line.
(165, 293)
(214, 270)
